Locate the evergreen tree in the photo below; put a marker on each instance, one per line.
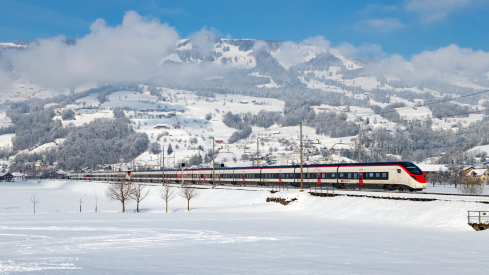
(170, 149)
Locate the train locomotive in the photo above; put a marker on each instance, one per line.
(402, 176)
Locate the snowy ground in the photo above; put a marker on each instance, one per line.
(231, 231)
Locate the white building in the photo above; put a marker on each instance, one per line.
(18, 176)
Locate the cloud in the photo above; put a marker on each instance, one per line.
(203, 41)
(365, 50)
(439, 64)
(379, 25)
(291, 53)
(5, 80)
(127, 52)
(435, 10)
(260, 46)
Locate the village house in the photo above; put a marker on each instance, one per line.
(6, 177)
(483, 174)
(17, 176)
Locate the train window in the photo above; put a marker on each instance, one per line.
(370, 175)
(355, 175)
(341, 175)
(384, 175)
(377, 175)
(323, 175)
(399, 171)
(349, 175)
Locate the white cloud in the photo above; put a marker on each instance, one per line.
(379, 25)
(127, 52)
(366, 50)
(5, 80)
(291, 53)
(203, 41)
(260, 45)
(439, 64)
(435, 10)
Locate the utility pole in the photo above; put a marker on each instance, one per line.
(257, 151)
(163, 163)
(213, 166)
(302, 174)
(302, 159)
(359, 143)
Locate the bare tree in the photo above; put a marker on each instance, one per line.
(167, 194)
(80, 204)
(95, 197)
(432, 178)
(121, 191)
(472, 185)
(455, 175)
(139, 193)
(34, 199)
(188, 193)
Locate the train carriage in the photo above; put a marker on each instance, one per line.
(387, 175)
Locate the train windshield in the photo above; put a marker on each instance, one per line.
(413, 169)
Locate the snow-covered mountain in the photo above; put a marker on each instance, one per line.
(272, 85)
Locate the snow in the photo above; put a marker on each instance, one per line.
(420, 113)
(366, 83)
(239, 59)
(272, 83)
(6, 140)
(325, 74)
(233, 231)
(11, 45)
(4, 120)
(350, 65)
(21, 89)
(173, 58)
(291, 54)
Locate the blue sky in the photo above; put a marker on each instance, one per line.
(406, 27)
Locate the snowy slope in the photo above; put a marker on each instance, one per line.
(232, 231)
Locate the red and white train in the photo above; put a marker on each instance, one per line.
(382, 175)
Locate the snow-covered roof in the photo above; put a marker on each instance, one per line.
(477, 172)
(17, 174)
(61, 172)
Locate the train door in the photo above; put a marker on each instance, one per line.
(360, 177)
(319, 175)
(280, 176)
(401, 176)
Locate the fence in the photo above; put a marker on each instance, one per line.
(478, 217)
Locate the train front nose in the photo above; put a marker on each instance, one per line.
(419, 181)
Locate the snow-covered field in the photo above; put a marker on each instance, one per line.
(233, 231)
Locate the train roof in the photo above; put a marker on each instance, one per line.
(402, 163)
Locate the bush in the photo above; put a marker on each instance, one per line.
(67, 114)
(472, 185)
(155, 148)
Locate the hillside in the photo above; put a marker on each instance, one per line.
(272, 86)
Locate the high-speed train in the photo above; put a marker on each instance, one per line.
(381, 175)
